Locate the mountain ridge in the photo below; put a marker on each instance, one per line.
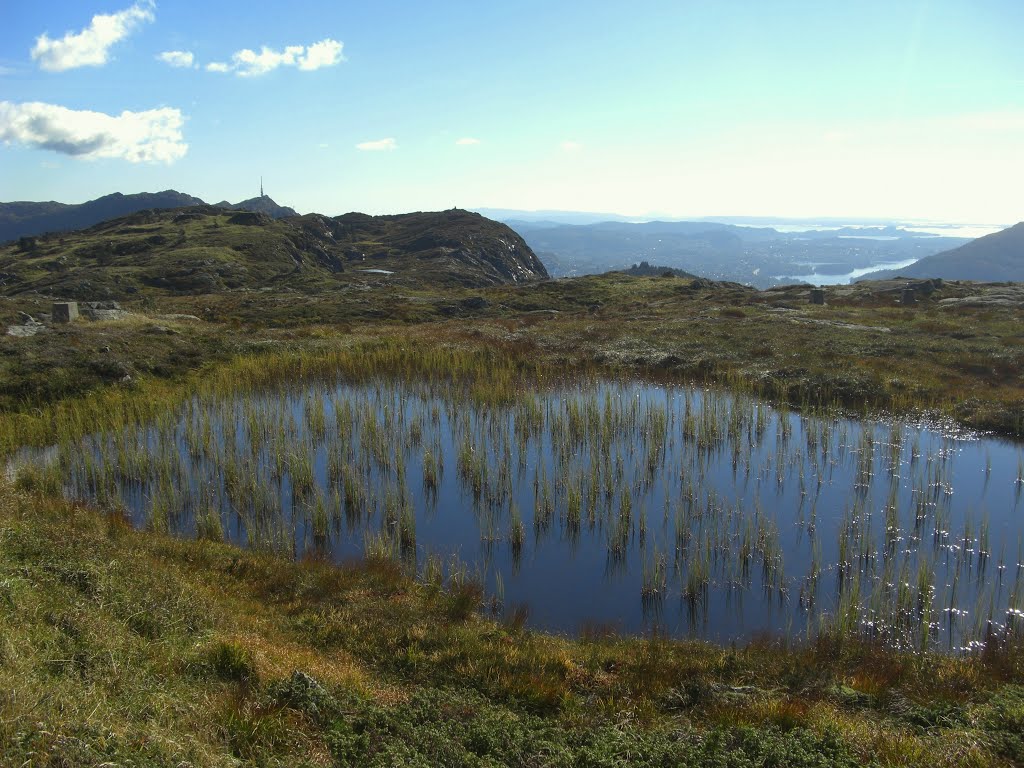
(25, 218)
(996, 258)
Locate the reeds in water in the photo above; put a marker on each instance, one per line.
(732, 486)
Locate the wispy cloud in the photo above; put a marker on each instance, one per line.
(379, 145)
(182, 59)
(6, 71)
(467, 142)
(91, 46)
(571, 146)
(152, 136)
(249, 63)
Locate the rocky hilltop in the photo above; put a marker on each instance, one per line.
(446, 242)
(261, 204)
(207, 249)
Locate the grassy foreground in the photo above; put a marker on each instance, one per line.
(120, 647)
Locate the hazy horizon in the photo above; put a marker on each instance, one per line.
(911, 112)
(784, 223)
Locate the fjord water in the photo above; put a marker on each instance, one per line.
(625, 505)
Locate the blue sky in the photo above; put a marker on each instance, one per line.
(911, 109)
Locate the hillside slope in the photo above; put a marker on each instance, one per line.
(204, 249)
(998, 257)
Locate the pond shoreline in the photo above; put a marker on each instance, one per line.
(397, 469)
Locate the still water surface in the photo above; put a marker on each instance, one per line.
(847, 277)
(618, 504)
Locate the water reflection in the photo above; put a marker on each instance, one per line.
(601, 504)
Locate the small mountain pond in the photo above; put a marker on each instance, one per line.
(621, 505)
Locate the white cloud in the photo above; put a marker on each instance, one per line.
(326, 53)
(138, 137)
(249, 63)
(6, 71)
(377, 146)
(90, 47)
(183, 59)
(571, 146)
(467, 142)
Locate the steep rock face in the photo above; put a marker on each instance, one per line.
(998, 257)
(207, 249)
(466, 247)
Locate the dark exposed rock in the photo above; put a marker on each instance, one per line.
(250, 218)
(456, 246)
(644, 269)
